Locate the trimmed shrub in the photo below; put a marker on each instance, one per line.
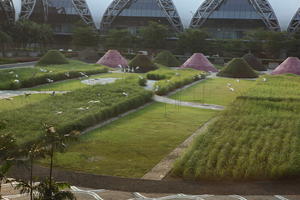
(238, 68)
(53, 57)
(180, 79)
(142, 64)
(160, 74)
(254, 62)
(166, 58)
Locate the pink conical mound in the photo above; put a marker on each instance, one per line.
(114, 59)
(290, 66)
(200, 62)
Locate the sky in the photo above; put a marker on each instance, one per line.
(284, 9)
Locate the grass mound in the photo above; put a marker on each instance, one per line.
(254, 62)
(256, 138)
(166, 58)
(53, 57)
(142, 64)
(238, 68)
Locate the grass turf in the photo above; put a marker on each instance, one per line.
(29, 77)
(132, 145)
(214, 91)
(256, 138)
(70, 85)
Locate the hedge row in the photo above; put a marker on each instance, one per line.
(181, 78)
(74, 111)
(160, 74)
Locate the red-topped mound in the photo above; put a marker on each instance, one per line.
(290, 66)
(114, 59)
(200, 62)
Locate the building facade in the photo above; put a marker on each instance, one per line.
(231, 19)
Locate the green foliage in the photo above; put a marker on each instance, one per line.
(166, 58)
(238, 68)
(142, 81)
(193, 40)
(76, 110)
(29, 77)
(85, 36)
(180, 78)
(154, 35)
(255, 138)
(142, 64)
(52, 57)
(254, 62)
(119, 39)
(160, 74)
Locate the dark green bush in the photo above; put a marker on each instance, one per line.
(238, 68)
(166, 58)
(77, 111)
(142, 81)
(254, 62)
(160, 74)
(142, 64)
(52, 57)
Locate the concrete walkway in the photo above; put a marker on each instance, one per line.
(18, 65)
(167, 100)
(4, 94)
(163, 168)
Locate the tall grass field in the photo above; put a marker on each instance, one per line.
(257, 137)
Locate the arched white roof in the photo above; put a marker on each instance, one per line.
(284, 10)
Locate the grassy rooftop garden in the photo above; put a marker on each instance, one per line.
(133, 145)
(256, 138)
(215, 91)
(76, 110)
(28, 77)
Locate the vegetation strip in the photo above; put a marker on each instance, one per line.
(76, 110)
(253, 139)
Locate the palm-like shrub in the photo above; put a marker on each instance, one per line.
(254, 62)
(142, 64)
(238, 68)
(166, 58)
(53, 57)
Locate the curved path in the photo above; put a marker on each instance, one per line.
(5, 94)
(167, 100)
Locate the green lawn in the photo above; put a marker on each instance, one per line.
(69, 85)
(132, 145)
(214, 91)
(20, 101)
(28, 77)
(257, 137)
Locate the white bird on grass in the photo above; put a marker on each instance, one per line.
(125, 94)
(83, 109)
(11, 72)
(43, 70)
(67, 74)
(94, 101)
(238, 80)
(49, 80)
(16, 81)
(229, 84)
(59, 112)
(17, 76)
(264, 80)
(231, 89)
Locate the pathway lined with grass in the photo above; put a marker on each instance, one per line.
(8, 94)
(134, 144)
(216, 91)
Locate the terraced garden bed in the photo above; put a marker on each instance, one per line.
(257, 137)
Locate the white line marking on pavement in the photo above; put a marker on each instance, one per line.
(138, 196)
(89, 192)
(238, 197)
(280, 197)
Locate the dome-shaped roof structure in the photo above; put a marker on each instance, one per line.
(295, 22)
(7, 11)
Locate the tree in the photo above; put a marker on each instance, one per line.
(154, 36)
(193, 40)
(5, 39)
(119, 39)
(54, 141)
(8, 148)
(270, 42)
(85, 36)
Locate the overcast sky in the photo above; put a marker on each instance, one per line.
(285, 9)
